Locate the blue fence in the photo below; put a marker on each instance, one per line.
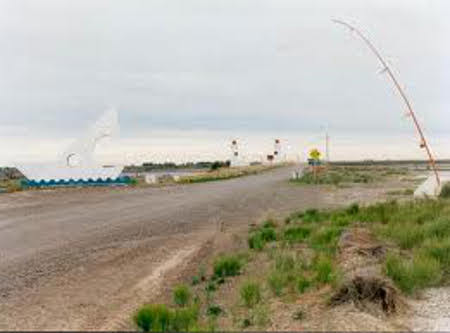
(121, 181)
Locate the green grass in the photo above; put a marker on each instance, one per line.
(445, 191)
(182, 295)
(324, 270)
(297, 234)
(414, 274)
(227, 265)
(336, 175)
(160, 318)
(153, 318)
(277, 282)
(303, 284)
(259, 237)
(250, 292)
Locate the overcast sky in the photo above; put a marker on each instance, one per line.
(208, 64)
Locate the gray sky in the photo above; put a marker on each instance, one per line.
(208, 64)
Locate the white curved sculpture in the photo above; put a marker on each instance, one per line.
(77, 161)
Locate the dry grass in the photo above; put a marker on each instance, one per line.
(226, 173)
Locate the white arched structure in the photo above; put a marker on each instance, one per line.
(77, 161)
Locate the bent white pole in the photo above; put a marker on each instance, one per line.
(387, 69)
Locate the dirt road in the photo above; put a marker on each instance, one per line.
(84, 259)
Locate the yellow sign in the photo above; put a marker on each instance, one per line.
(315, 154)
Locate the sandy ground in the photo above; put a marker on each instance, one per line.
(84, 259)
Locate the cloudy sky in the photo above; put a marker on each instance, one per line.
(194, 65)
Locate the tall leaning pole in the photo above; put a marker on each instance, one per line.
(411, 113)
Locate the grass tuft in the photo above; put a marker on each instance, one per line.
(251, 293)
(182, 295)
(227, 265)
(411, 275)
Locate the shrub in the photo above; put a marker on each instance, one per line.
(228, 265)
(296, 234)
(250, 293)
(153, 318)
(181, 295)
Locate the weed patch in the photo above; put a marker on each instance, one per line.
(228, 265)
(251, 293)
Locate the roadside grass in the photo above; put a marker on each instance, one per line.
(336, 175)
(226, 173)
(262, 235)
(300, 256)
(227, 265)
(182, 295)
(250, 292)
(445, 191)
(161, 318)
(408, 191)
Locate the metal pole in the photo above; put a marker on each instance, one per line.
(387, 69)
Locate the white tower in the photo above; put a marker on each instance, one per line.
(234, 153)
(277, 151)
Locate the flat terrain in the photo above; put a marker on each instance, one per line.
(86, 258)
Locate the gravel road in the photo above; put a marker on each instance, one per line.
(69, 259)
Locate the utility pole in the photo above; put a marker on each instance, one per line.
(327, 146)
(387, 69)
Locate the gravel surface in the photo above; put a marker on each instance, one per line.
(70, 258)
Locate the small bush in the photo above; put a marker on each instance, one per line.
(182, 295)
(228, 265)
(153, 318)
(250, 293)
